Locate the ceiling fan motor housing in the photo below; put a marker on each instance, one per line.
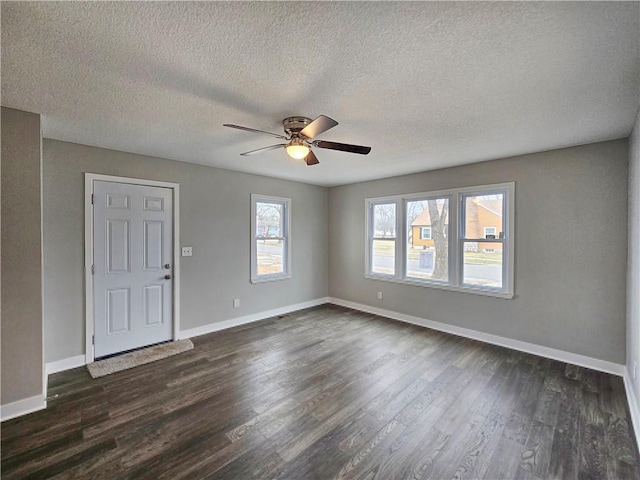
(293, 125)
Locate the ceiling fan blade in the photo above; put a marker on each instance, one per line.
(311, 159)
(318, 126)
(343, 147)
(264, 149)
(247, 129)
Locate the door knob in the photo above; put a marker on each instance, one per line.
(167, 277)
(167, 266)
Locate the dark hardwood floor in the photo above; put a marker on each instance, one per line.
(330, 393)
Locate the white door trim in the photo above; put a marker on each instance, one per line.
(89, 178)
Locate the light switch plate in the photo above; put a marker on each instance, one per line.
(187, 251)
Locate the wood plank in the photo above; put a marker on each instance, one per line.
(592, 447)
(480, 447)
(537, 453)
(403, 449)
(505, 461)
(466, 429)
(565, 450)
(621, 458)
(334, 448)
(517, 428)
(372, 453)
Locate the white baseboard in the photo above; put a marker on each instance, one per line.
(555, 354)
(234, 322)
(22, 407)
(32, 404)
(80, 360)
(65, 364)
(552, 353)
(633, 404)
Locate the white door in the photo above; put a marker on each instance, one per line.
(133, 260)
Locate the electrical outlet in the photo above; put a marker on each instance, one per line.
(236, 303)
(187, 251)
(635, 370)
(379, 295)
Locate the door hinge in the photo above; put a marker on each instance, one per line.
(93, 339)
(92, 199)
(93, 269)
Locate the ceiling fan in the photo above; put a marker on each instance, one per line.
(299, 134)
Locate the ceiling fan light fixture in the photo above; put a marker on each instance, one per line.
(297, 149)
(300, 133)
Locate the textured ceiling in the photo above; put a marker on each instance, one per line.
(426, 85)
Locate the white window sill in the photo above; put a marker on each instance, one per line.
(442, 286)
(269, 278)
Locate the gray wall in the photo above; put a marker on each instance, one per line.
(571, 250)
(570, 260)
(214, 220)
(22, 365)
(633, 262)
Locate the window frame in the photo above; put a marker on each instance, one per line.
(423, 197)
(455, 241)
(371, 237)
(422, 233)
(285, 237)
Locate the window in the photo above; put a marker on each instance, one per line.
(383, 238)
(270, 242)
(459, 239)
(490, 232)
(427, 257)
(483, 260)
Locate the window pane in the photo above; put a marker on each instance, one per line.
(384, 220)
(428, 248)
(270, 256)
(269, 217)
(482, 265)
(482, 211)
(383, 257)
